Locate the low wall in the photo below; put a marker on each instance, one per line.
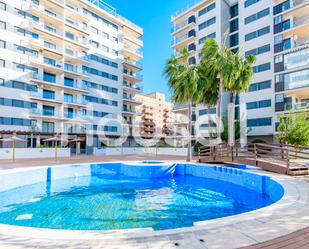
(140, 151)
(20, 153)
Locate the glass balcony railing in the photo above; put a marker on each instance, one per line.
(296, 80)
(297, 59)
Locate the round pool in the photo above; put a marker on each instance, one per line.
(119, 196)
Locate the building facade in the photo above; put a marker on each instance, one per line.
(276, 32)
(66, 66)
(156, 113)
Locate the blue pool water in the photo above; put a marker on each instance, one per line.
(116, 201)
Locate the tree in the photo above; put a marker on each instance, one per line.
(183, 81)
(293, 129)
(234, 71)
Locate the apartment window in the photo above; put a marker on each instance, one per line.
(2, 6)
(234, 11)
(69, 67)
(207, 23)
(260, 86)
(69, 82)
(114, 39)
(257, 51)
(205, 111)
(259, 122)
(48, 110)
(48, 127)
(2, 44)
(2, 25)
(105, 35)
(50, 28)
(202, 40)
(94, 44)
(100, 73)
(250, 2)
(207, 9)
(94, 30)
(49, 45)
(234, 25)
(2, 63)
(68, 98)
(234, 40)
(259, 104)
(49, 77)
(100, 87)
(257, 33)
(104, 48)
(103, 61)
(48, 94)
(35, 18)
(69, 35)
(100, 101)
(257, 16)
(282, 7)
(261, 68)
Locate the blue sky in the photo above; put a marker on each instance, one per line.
(154, 17)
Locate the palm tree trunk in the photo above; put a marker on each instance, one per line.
(219, 97)
(233, 102)
(189, 156)
(209, 127)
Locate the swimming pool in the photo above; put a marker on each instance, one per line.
(130, 195)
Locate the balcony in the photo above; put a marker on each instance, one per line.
(78, 26)
(133, 39)
(134, 77)
(131, 100)
(287, 6)
(77, 12)
(41, 113)
(178, 43)
(297, 59)
(133, 65)
(41, 11)
(177, 28)
(40, 96)
(128, 111)
(130, 52)
(131, 88)
(297, 107)
(75, 86)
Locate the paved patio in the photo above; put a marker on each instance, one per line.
(276, 224)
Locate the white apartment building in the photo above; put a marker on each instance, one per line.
(66, 66)
(276, 32)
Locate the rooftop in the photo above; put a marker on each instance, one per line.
(112, 10)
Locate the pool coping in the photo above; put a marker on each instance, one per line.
(289, 214)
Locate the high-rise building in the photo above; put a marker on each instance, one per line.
(156, 113)
(67, 66)
(276, 32)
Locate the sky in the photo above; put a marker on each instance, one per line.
(155, 18)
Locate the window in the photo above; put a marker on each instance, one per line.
(205, 111)
(207, 23)
(69, 35)
(259, 104)
(2, 44)
(2, 6)
(2, 25)
(234, 25)
(257, 16)
(202, 40)
(49, 77)
(48, 110)
(207, 9)
(257, 51)
(234, 40)
(69, 82)
(250, 2)
(100, 73)
(94, 44)
(48, 94)
(100, 101)
(259, 122)
(100, 87)
(234, 11)
(68, 98)
(103, 61)
(94, 30)
(261, 68)
(2, 63)
(257, 33)
(260, 86)
(48, 127)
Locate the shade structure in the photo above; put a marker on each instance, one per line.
(56, 139)
(12, 139)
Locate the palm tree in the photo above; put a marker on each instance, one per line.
(215, 59)
(234, 71)
(208, 90)
(183, 81)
